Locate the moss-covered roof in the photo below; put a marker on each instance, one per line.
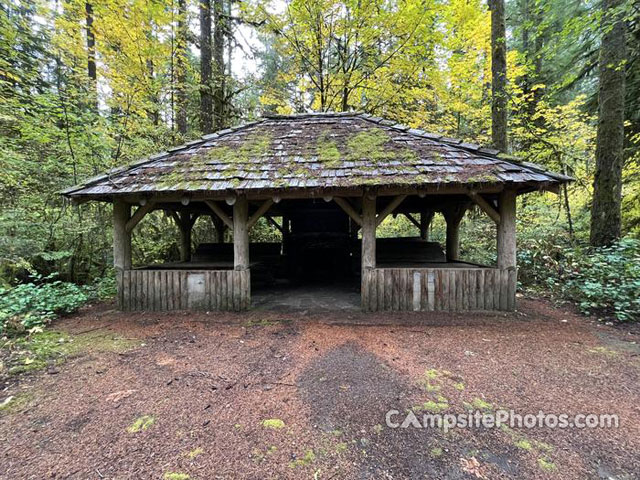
(311, 151)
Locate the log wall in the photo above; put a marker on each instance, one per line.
(438, 289)
(165, 290)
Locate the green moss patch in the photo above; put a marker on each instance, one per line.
(436, 452)
(16, 403)
(273, 423)
(194, 453)
(432, 407)
(141, 424)
(175, 476)
(36, 351)
(523, 444)
(308, 458)
(546, 465)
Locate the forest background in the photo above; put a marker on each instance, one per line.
(86, 86)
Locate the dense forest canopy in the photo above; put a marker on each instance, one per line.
(89, 85)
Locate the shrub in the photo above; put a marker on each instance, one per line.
(31, 305)
(604, 280)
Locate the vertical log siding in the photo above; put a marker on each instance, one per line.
(439, 289)
(166, 290)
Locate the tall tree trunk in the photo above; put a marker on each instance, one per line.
(206, 98)
(181, 69)
(218, 90)
(498, 76)
(607, 185)
(91, 55)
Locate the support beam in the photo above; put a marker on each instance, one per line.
(507, 229)
(139, 215)
(412, 219)
(393, 204)
(121, 236)
(368, 232)
(453, 216)
(344, 204)
(262, 209)
(215, 208)
(274, 223)
(485, 206)
(240, 233)
(426, 217)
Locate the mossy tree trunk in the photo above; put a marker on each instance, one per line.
(607, 185)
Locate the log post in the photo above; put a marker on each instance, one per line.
(369, 223)
(121, 245)
(368, 232)
(241, 233)
(425, 222)
(507, 249)
(219, 228)
(453, 217)
(286, 234)
(507, 229)
(185, 237)
(121, 237)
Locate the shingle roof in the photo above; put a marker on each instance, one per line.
(311, 151)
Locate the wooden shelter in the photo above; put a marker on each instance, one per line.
(334, 176)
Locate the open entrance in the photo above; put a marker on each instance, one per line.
(318, 265)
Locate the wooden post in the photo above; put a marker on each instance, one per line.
(507, 249)
(185, 237)
(368, 232)
(121, 247)
(425, 222)
(507, 229)
(121, 237)
(286, 234)
(453, 216)
(241, 234)
(369, 223)
(219, 227)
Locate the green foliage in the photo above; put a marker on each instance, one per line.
(31, 305)
(603, 280)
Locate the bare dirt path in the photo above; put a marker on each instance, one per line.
(268, 395)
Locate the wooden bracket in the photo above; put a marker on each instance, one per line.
(393, 204)
(348, 209)
(412, 219)
(485, 206)
(274, 223)
(139, 215)
(220, 213)
(262, 209)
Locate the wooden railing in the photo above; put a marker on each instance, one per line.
(165, 290)
(443, 289)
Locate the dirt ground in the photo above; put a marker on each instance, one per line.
(303, 395)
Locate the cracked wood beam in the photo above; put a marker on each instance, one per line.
(262, 209)
(348, 209)
(393, 204)
(139, 215)
(485, 206)
(220, 213)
